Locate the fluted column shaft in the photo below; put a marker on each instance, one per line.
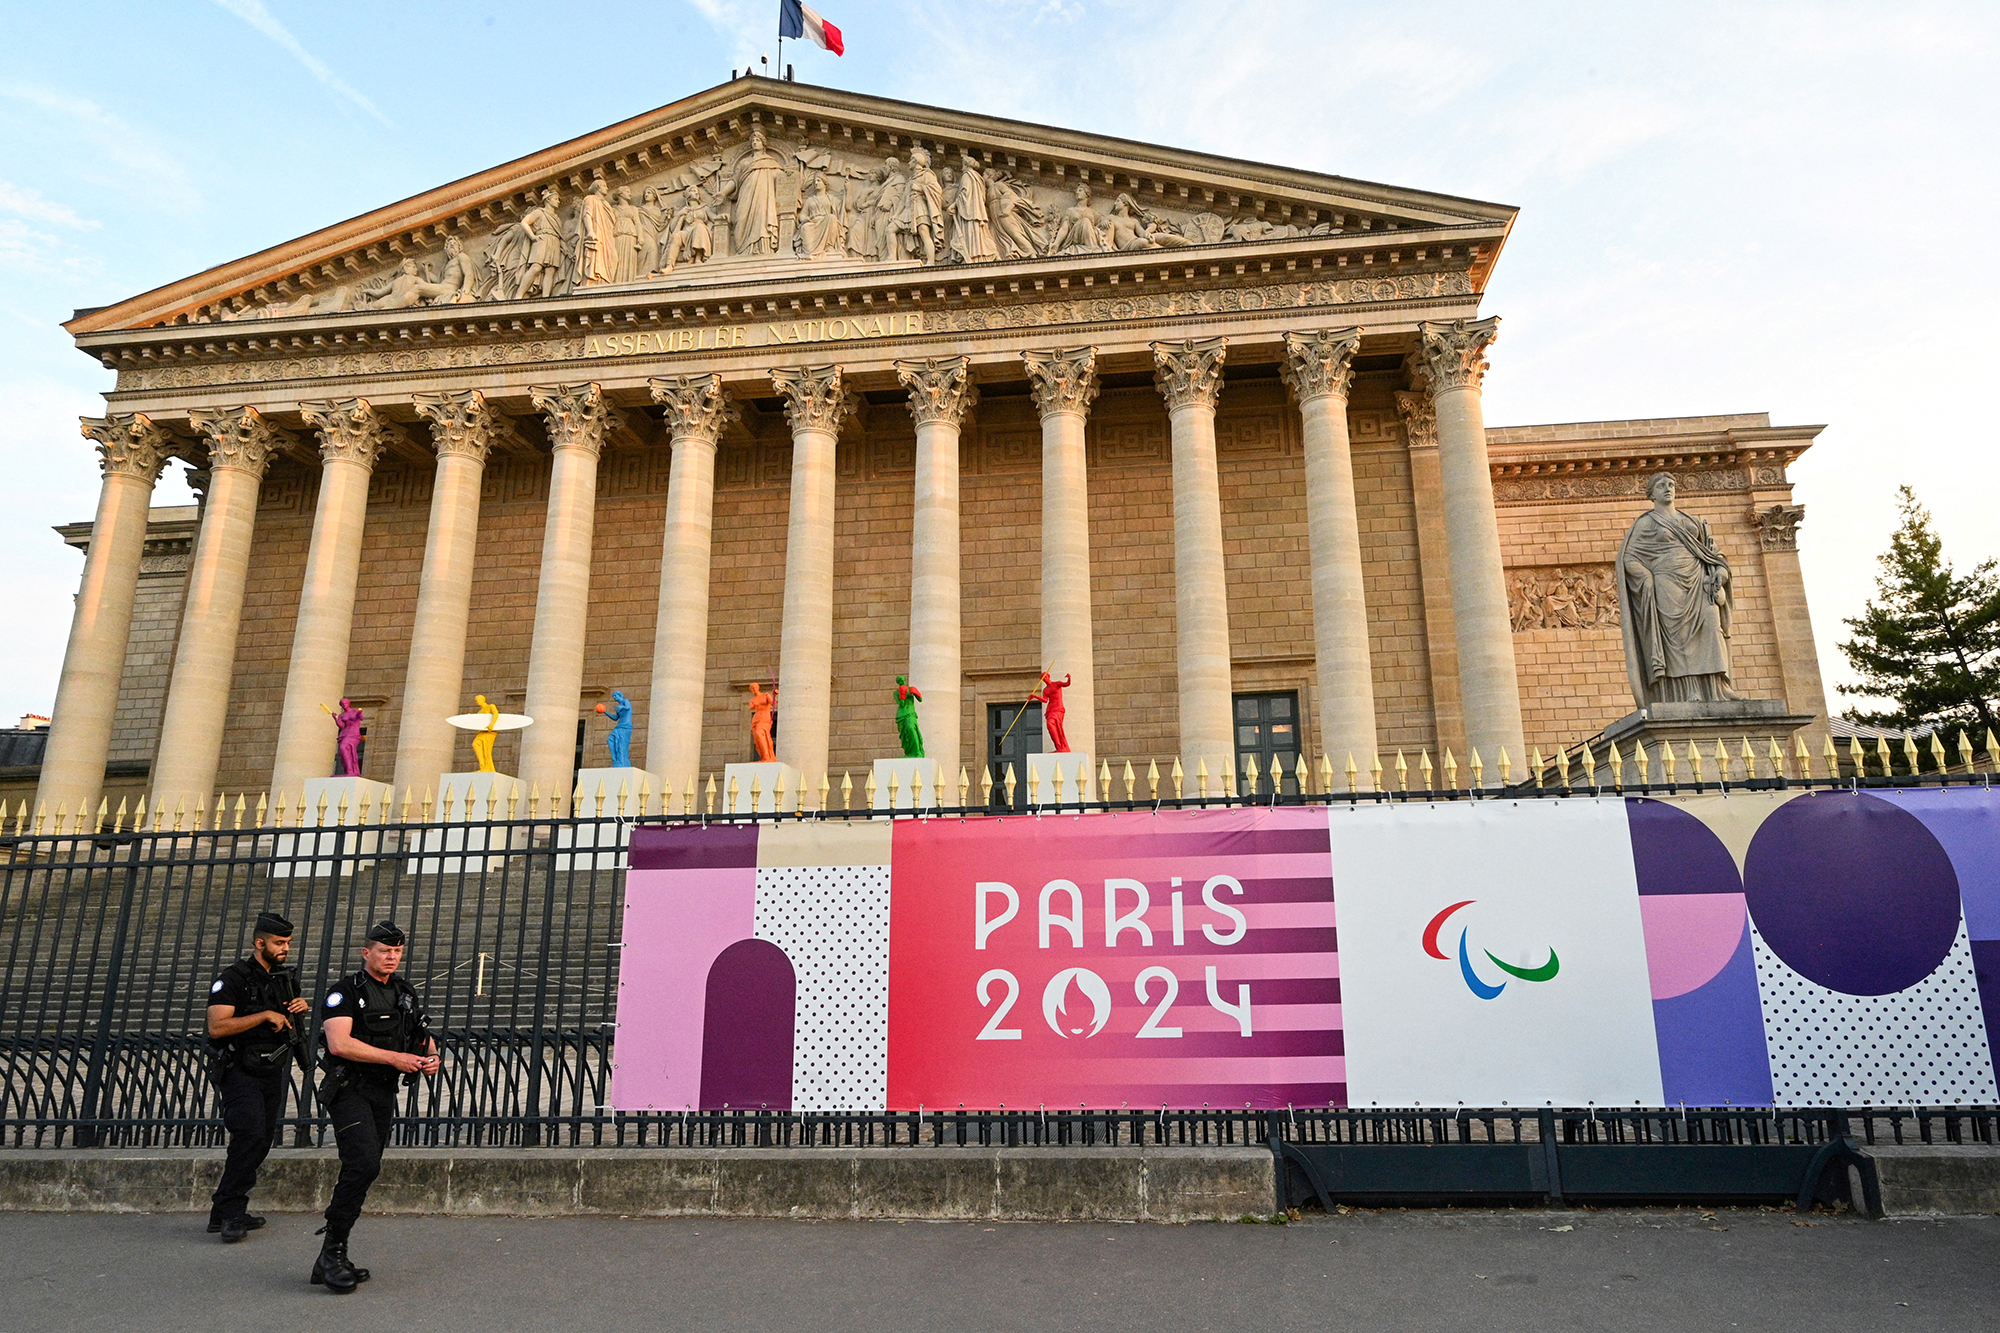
(1453, 360)
(1189, 375)
(1065, 383)
(696, 413)
(941, 392)
(1320, 369)
(815, 400)
(239, 450)
(351, 438)
(578, 418)
(463, 429)
(132, 451)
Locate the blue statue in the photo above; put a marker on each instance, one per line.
(620, 740)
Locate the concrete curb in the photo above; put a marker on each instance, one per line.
(1013, 1184)
(1937, 1179)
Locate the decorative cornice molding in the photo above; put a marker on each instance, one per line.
(1778, 527)
(578, 415)
(815, 397)
(463, 424)
(1420, 421)
(1320, 363)
(1064, 381)
(129, 446)
(350, 431)
(239, 438)
(941, 388)
(1189, 373)
(697, 408)
(1453, 354)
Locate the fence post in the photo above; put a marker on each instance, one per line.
(532, 1132)
(100, 1046)
(308, 1093)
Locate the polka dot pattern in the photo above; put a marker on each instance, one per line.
(833, 923)
(1923, 1046)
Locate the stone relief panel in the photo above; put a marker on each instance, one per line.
(1519, 490)
(1562, 597)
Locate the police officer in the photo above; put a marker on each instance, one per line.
(251, 1008)
(375, 1030)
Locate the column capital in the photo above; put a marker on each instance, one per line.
(697, 408)
(1453, 354)
(815, 397)
(129, 446)
(579, 416)
(239, 438)
(463, 424)
(1778, 526)
(1189, 374)
(1420, 419)
(1320, 363)
(941, 388)
(1063, 380)
(350, 430)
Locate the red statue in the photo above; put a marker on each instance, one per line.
(1050, 698)
(762, 706)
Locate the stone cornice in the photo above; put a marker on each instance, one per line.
(1189, 373)
(941, 388)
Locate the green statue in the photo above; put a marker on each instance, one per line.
(907, 699)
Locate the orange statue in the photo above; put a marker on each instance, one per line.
(762, 707)
(1050, 697)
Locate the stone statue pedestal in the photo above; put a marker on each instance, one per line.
(611, 828)
(1076, 772)
(1731, 721)
(905, 772)
(333, 791)
(766, 777)
(464, 829)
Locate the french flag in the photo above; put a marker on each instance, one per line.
(799, 20)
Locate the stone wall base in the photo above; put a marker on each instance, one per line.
(1937, 1180)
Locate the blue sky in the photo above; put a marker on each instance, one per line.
(1725, 208)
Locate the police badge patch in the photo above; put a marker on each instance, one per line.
(216, 987)
(333, 999)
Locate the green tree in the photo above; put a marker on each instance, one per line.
(1929, 640)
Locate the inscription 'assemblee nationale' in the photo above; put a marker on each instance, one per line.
(755, 335)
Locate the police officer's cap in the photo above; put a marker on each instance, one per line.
(270, 923)
(386, 932)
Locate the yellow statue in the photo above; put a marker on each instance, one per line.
(482, 741)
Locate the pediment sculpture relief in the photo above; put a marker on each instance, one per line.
(770, 201)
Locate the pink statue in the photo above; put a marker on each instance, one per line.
(348, 721)
(1050, 696)
(762, 708)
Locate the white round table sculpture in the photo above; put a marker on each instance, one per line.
(485, 726)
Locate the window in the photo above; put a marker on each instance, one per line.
(1013, 732)
(1267, 728)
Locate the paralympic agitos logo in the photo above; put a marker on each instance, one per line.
(1546, 972)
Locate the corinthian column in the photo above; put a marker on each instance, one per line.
(1065, 383)
(697, 410)
(351, 435)
(1319, 367)
(941, 393)
(579, 419)
(1452, 358)
(815, 400)
(131, 450)
(240, 443)
(1189, 375)
(463, 429)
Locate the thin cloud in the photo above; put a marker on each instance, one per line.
(253, 13)
(24, 202)
(110, 151)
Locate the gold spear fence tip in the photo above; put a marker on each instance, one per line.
(1131, 780)
(1353, 773)
(1536, 762)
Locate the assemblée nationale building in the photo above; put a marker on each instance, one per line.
(785, 382)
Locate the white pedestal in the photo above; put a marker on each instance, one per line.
(1076, 773)
(905, 772)
(333, 790)
(612, 827)
(766, 777)
(485, 788)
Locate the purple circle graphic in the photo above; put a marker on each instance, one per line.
(1852, 893)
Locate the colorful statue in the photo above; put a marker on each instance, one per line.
(482, 741)
(763, 709)
(907, 699)
(620, 740)
(1050, 696)
(347, 725)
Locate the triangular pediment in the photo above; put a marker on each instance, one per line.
(755, 178)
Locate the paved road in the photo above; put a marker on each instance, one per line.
(1424, 1271)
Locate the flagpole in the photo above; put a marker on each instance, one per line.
(781, 54)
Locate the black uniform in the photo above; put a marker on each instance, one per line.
(251, 1072)
(361, 1098)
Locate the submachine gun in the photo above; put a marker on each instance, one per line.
(285, 989)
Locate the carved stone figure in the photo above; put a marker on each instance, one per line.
(912, 736)
(1078, 231)
(540, 239)
(891, 204)
(754, 223)
(861, 217)
(762, 708)
(636, 238)
(405, 289)
(619, 742)
(923, 224)
(347, 732)
(1050, 697)
(692, 236)
(1673, 599)
(820, 229)
(1015, 215)
(461, 275)
(973, 239)
(596, 237)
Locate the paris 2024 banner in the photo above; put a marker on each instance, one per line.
(1759, 949)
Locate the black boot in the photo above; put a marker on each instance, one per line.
(332, 1271)
(250, 1221)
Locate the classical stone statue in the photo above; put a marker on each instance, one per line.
(1673, 603)
(820, 229)
(861, 216)
(619, 713)
(974, 241)
(690, 237)
(1014, 213)
(532, 249)
(1077, 230)
(923, 224)
(762, 708)
(636, 238)
(482, 741)
(596, 237)
(907, 699)
(1050, 697)
(892, 202)
(754, 223)
(405, 288)
(347, 738)
(461, 274)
